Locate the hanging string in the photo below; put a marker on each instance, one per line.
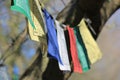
(89, 25)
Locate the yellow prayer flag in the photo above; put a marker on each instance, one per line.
(93, 50)
(37, 17)
(32, 37)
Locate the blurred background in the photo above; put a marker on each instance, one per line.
(18, 55)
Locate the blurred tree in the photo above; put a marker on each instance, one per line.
(13, 33)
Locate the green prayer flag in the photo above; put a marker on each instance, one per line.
(82, 52)
(23, 7)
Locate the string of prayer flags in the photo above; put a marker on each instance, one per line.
(80, 48)
(93, 50)
(62, 48)
(82, 53)
(22, 6)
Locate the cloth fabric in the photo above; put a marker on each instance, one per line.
(76, 64)
(38, 34)
(62, 48)
(82, 53)
(67, 38)
(23, 7)
(53, 48)
(93, 50)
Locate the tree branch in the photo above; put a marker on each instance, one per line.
(14, 46)
(34, 66)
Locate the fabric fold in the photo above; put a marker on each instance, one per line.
(76, 64)
(62, 48)
(82, 52)
(93, 49)
(37, 34)
(23, 7)
(53, 48)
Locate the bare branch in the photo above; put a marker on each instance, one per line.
(13, 47)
